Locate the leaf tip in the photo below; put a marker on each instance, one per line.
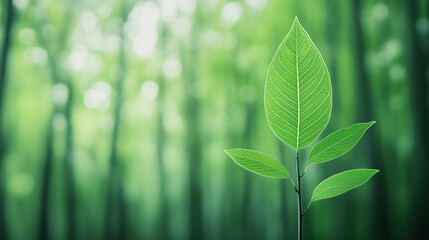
(296, 20)
(374, 171)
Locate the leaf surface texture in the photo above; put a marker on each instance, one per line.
(341, 183)
(337, 143)
(258, 163)
(298, 93)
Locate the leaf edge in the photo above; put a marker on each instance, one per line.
(287, 172)
(375, 172)
(308, 162)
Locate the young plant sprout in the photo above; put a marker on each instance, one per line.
(298, 103)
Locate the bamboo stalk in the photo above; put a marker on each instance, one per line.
(10, 19)
(114, 178)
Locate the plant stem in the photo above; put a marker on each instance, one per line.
(300, 213)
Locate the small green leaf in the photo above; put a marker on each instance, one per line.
(337, 143)
(341, 183)
(258, 163)
(298, 93)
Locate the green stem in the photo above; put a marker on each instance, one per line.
(299, 192)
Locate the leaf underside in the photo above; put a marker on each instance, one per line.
(341, 183)
(258, 163)
(298, 93)
(337, 143)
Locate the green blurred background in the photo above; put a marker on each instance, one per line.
(114, 116)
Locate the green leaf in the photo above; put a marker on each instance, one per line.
(341, 183)
(337, 143)
(258, 163)
(298, 92)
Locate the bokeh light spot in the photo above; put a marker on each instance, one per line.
(26, 36)
(39, 55)
(78, 56)
(149, 90)
(142, 28)
(232, 12)
(21, 184)
(59, 122)
(98, 96)
(380, 11)
(172, 67)
(60, 94)
(256, 5)
(88, 21)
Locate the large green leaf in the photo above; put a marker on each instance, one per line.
(337, 143)
(258, 162)
(298, 94)
(341, 183)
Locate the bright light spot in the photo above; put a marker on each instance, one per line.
(142, 28)
(26, 36)
(256, 5)
(397, 72)
(144, 45)
(380, 11)
(59, 122)
(21, 184)
(392, 48)
(187, 6)
(88, 21)
(22, 4)
(98, 96)
(181, 26)
(169, 10)
(422, 26)
(172, 121)
(149, 16)
(149, 90)
(172, 67)
(77, 58)
(39, 55)
(212, 38)
(232, 11)
(60, 94)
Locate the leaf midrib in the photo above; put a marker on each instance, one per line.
(331, 146)
(297, 86)
(260, 163)
(325, 190)
(330, 187)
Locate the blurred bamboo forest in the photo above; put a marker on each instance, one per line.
(114, 116)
